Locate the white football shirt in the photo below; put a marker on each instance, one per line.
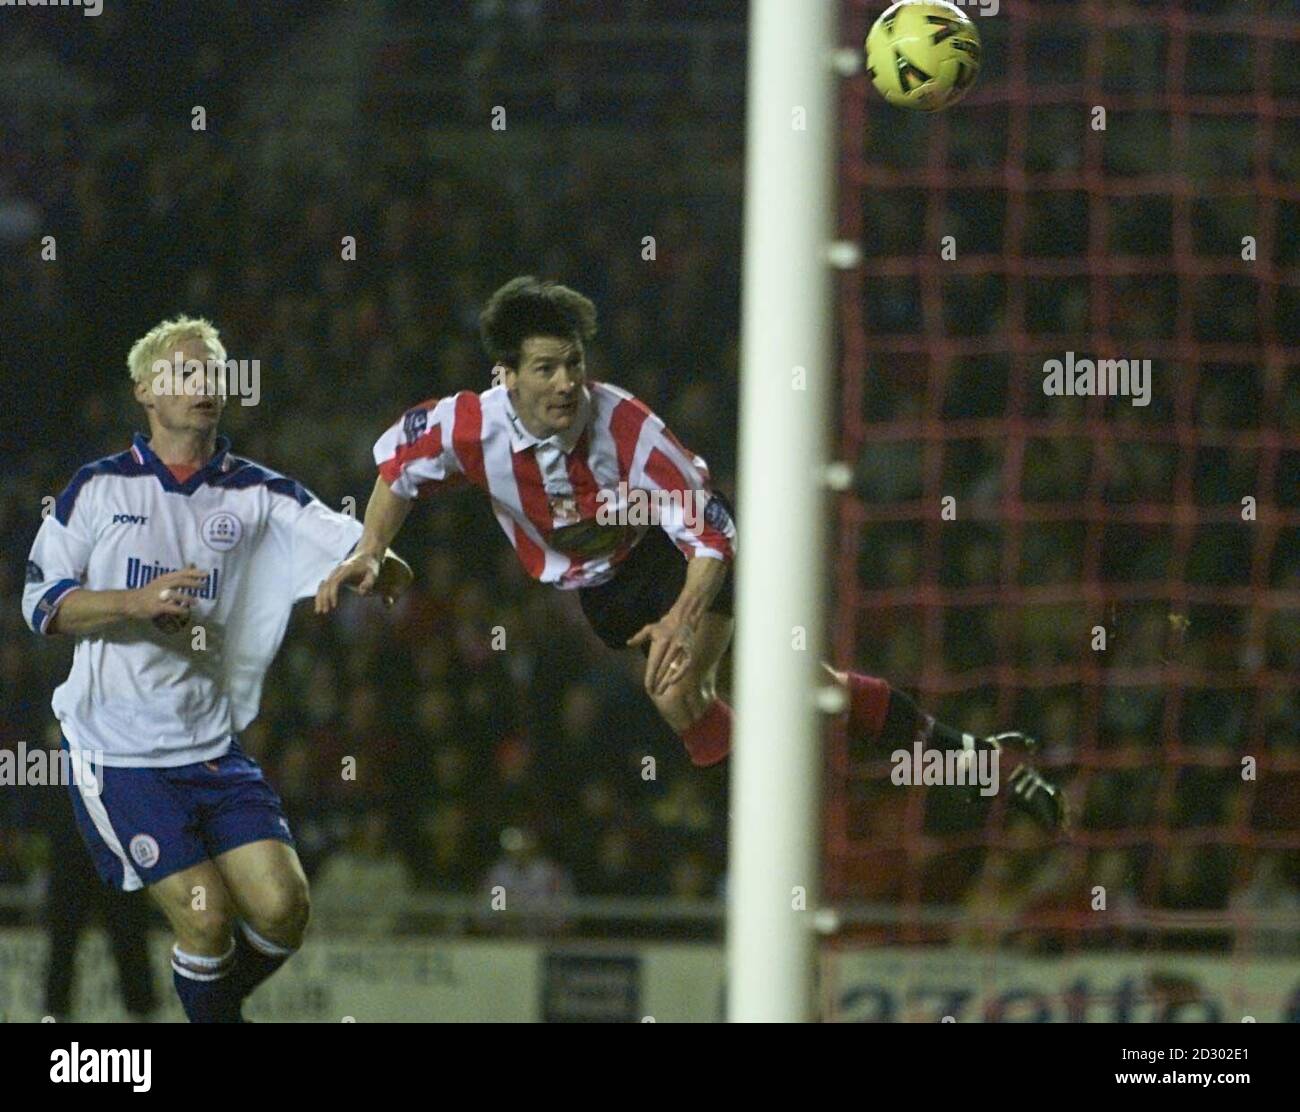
(148, 699)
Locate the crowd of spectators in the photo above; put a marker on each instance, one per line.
(492, 735)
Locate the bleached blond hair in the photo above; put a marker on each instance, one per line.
(162, 341)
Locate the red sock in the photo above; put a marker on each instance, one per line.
(708, 741)
(868, 705)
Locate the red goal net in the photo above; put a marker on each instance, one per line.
(1118, 575)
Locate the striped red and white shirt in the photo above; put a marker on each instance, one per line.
(573, 504)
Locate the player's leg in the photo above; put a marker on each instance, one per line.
(643, 591)
(126, 919)
(882, 716)
(691, 705)
(141, 827)
(249, 840)
(66, 911)
(201, 914)
(270, 892)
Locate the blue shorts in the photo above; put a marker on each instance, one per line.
(147, 823)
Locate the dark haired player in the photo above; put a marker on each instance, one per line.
(553, 450)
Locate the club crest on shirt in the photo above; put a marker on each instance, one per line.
(564, 510)
(144, 851)
(221, 531)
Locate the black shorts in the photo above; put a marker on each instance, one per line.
(643, 590)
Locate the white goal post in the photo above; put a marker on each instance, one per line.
(786, 369)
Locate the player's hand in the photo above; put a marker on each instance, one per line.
(163, 601)
(395, 576)
(358, 572)
(670, 641)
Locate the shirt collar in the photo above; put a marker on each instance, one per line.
(219, 463)
(566, 440)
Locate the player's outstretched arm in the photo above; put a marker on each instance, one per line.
(83, 611)
(366, 574)
(373, 566)
(671, 638)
